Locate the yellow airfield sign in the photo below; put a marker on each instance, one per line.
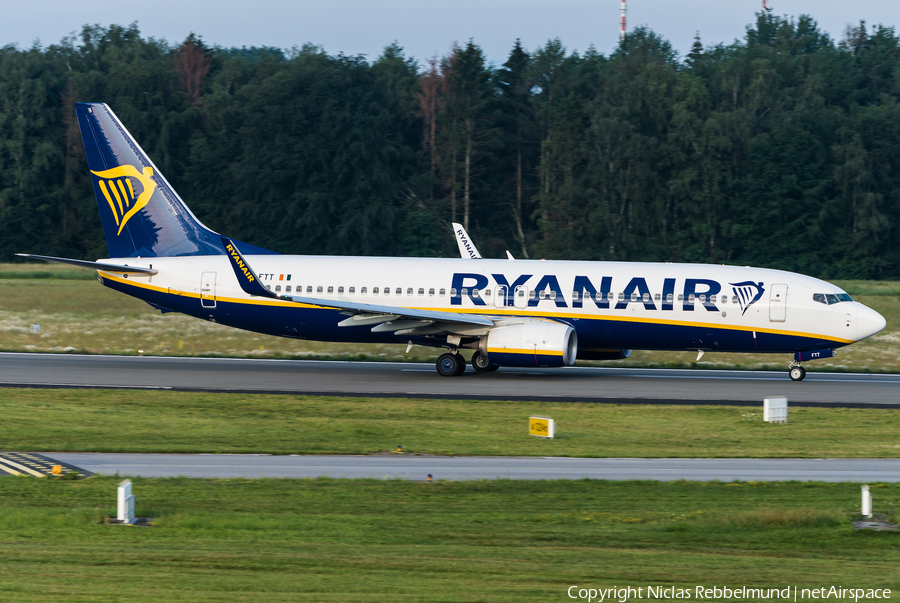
(541, 427)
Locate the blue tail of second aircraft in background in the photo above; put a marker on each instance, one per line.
(142, 214)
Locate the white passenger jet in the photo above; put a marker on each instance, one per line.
(513, 313)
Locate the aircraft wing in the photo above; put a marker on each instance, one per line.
(384, 317)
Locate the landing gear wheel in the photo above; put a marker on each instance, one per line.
(481, 363)
(450, 365)
(797, 373)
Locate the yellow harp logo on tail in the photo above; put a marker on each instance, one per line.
(116, 186)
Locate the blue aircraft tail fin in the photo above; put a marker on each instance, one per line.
(142, 215)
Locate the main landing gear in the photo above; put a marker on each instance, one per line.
(797, 372)
(481, 363)
(451, 365)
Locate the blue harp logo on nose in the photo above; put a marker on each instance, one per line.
(748, 293)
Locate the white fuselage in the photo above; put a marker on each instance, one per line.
(610, 304)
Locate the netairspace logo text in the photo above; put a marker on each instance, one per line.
(791, 593)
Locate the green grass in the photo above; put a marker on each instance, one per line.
(83, 316)
(368, 540)
(155, 421)
(46, 271)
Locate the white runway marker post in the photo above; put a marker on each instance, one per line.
(866, 502)
(126, 503)
(775, 410)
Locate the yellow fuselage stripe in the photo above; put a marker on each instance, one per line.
(531, 352)
(491, 311)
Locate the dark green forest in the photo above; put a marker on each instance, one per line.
(780, 150)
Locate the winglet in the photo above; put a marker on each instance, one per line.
(246, 277)
(466, 246)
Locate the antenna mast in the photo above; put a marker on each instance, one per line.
(622, 12)
(766, 7)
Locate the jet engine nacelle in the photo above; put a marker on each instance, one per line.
(538, 343)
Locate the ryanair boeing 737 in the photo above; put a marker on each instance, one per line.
(513, 313)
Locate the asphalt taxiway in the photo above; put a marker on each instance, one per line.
(412, 467)
(393, 379)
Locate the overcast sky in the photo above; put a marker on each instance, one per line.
(423, 27)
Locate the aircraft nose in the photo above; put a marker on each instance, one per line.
(868, 322)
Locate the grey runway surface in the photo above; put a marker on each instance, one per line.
(587, 384)
(471, 468)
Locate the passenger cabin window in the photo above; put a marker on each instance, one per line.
(409, 291)
(646, 297)
(374, 290)
(656, 297)
(277, 287)
(542, 295)
(575, 295)
(309, 289)
(288, 289)
(532, 293)
(398, 291)
(441, 292)
(712, 298)
(362, 290)
(553, 295)
(634, 296)
(487, 292)
(734, 299)
(702, 298)
(621, 297)
(351, 290)
(691, 298)
(669, 298)
(421, 291)
(452, 292)
(431, 292)
(330, 289)
(340, 289)
(464, 292)
(680, 297)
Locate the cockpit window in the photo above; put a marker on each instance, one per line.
(831, 298)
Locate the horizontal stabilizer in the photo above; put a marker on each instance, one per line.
(93, 265)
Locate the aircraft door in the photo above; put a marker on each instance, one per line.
(778, 303)
(521, 296)
(500, 296)
(208, 290)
